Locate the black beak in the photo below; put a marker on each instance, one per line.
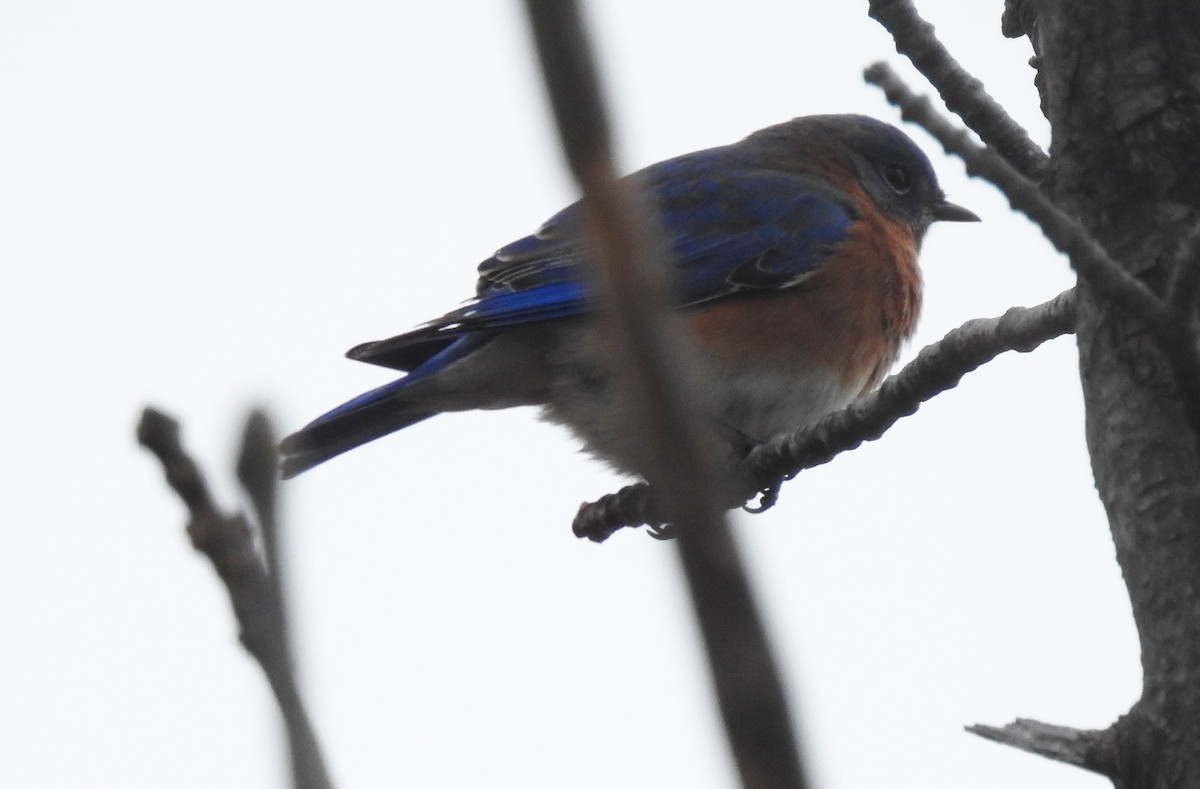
(946, 211)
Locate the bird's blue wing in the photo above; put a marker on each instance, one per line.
(731, 223)
(734, 225)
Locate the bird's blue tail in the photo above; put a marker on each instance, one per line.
(365, 418)
(380, 411)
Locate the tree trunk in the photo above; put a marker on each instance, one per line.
(1120, 84)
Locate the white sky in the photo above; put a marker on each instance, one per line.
(202, 205)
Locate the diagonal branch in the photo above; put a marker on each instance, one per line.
(1065, 232)
(629, 277)
(937, 368)
(1173, 319)
(963, 94)
(227, 542)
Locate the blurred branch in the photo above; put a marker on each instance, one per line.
(937, 368)
(629, 276)
(962, 93)
(1087, 748)
(227, 542)
(257, 470)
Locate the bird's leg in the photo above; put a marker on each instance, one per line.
(741, 444)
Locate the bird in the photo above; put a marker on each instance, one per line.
(794, 256)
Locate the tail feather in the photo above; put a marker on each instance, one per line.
(363, 419)
(405, 352)
(383, 410)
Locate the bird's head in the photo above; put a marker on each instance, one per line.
(893, 171)
(896, 173)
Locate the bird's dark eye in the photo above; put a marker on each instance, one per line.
(898, 177)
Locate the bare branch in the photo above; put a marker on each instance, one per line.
(938, 367)
(1091, 749)
(227, 542)
(963, 94)
(1174, 320)
(629, 507)
(1070, 237)
(629, 277)
(257, 470)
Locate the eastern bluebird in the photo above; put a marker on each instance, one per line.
(796, 273)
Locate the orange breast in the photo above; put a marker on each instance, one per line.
(849, 318)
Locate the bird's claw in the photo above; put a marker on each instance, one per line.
(767, 498)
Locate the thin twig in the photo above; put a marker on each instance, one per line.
(630, 507)
(937, 368)
(227, 542)
(257, 470)
(628, 274)
(1091, 749)
(1070, 237)
(963, 94)
(1173, 320)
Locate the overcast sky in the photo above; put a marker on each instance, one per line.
(204, 204)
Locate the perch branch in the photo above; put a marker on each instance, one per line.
(937, 368)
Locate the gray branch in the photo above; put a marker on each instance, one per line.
(1068, 236)
(1091, 749)
(228, 543)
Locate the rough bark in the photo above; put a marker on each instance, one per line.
(1120, 83)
